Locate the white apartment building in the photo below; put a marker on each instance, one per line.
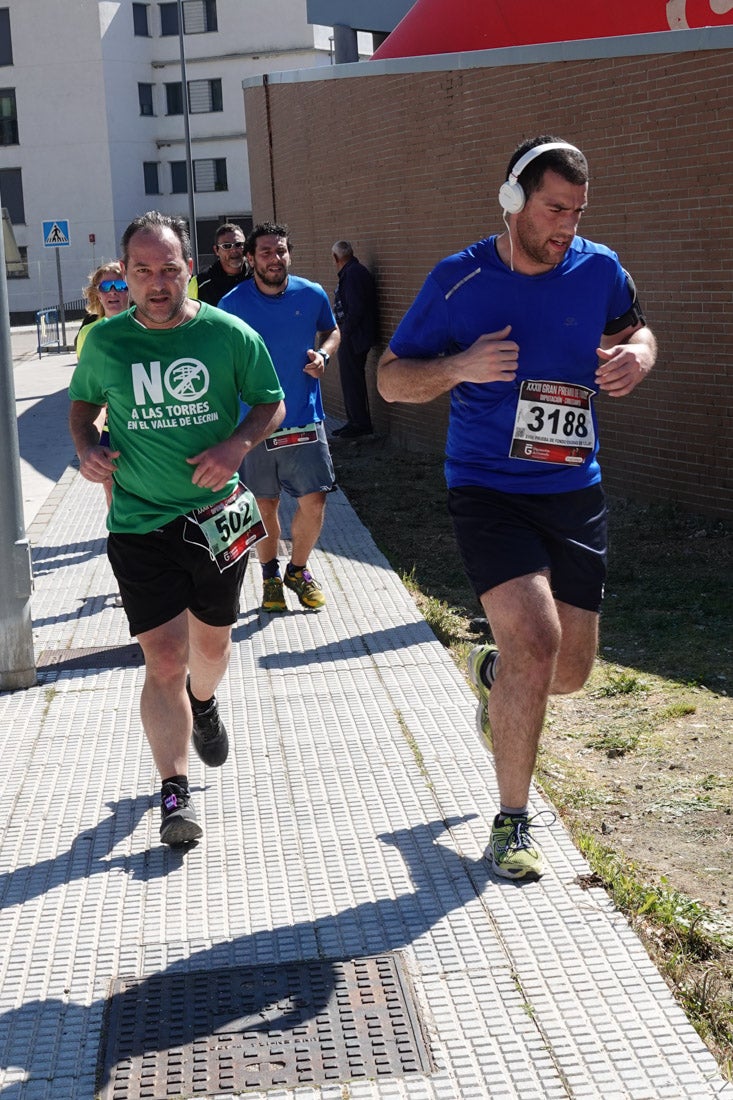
(92, 127)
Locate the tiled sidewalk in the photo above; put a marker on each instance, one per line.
(350, 821)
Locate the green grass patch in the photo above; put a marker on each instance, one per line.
(622, 683)
(680, 933)
(677, 710)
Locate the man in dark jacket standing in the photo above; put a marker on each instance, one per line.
(355, 307)
(226, 272)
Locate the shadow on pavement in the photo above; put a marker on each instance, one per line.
(40, 428)
(384, 925)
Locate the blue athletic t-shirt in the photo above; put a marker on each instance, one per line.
(557, 320)
(288, 324)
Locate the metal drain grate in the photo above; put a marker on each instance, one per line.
(238, 1028)
(109, 656)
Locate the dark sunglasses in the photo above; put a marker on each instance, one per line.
(227, 245)
(111, 284)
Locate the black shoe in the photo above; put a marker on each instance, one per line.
(179, 823)
(209, 734)
(352, 432)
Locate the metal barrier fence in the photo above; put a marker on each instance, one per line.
(49, 320)
(47, 330)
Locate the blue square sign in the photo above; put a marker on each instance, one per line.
(56, 233)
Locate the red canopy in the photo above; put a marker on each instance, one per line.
(455, 26)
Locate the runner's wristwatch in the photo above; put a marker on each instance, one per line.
(324, 356)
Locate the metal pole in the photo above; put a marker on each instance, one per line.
(17, 663)
(187, 133)
(62, 313)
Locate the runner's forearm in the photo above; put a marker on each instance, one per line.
(82, 427)
(260, 421)
(415, 381)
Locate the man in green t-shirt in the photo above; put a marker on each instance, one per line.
(172, 373)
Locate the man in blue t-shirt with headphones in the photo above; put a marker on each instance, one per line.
(523, 329)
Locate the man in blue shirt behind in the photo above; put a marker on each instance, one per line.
(294, 318)
(522, 329)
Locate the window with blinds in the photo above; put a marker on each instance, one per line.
(204, 96)
(210, 175)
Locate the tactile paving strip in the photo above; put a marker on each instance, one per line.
(218, 1031)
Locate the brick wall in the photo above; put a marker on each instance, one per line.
(407, 166)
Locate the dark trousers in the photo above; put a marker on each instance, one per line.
(352, 371)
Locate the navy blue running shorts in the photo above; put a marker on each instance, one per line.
(299, 470)
(166, 571)
(506, 535)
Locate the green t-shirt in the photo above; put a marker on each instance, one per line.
(170, 394)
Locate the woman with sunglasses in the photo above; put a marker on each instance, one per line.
(106, 295)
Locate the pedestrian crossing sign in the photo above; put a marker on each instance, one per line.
(56, 233)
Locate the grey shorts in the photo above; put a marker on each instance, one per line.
(298, 470)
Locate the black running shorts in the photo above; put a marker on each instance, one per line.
(165, 572)
(506, 535)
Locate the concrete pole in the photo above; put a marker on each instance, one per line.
(17, 663)
(345, 44)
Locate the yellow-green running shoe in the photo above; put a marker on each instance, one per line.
(273, 597)
(476, 660)
(514, 851)
(305, 587)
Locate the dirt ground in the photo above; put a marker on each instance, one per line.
(667, 803)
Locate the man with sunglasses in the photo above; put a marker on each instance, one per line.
(228, 269)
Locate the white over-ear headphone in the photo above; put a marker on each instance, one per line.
(511, 194)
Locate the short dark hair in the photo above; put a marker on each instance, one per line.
(227, 227)
(153, 220)
(267, 229)
(568, 163)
